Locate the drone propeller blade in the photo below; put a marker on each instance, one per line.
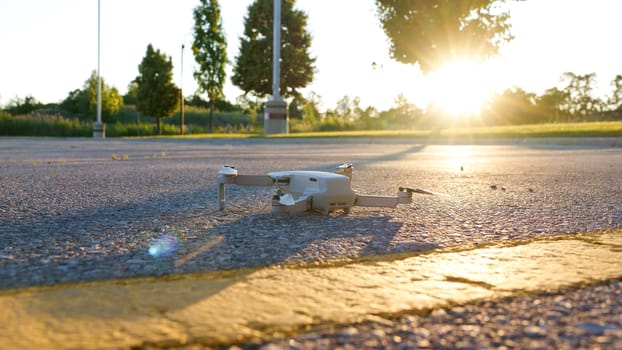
(420, 191)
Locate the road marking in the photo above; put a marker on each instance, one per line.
(224, 307)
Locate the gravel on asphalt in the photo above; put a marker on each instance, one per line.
(585, 318)
(76, 210)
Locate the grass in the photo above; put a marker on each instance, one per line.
(216, 135)
(57, 126)
(587, 129)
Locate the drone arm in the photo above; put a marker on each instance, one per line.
(404, 196)
(241, 180)
(376, 201)
(254, 180)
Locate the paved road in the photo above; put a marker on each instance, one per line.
(221, 308)
(81, 210)
(69, 205)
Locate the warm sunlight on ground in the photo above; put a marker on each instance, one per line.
(460, 88)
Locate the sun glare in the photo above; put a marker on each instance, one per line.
(460, 88)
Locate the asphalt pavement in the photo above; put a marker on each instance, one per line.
(79, 220)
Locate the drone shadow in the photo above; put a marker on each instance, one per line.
(267, 239)
(363, 162)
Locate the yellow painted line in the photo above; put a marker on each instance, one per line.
(223, 307)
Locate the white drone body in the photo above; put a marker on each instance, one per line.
(302, 190)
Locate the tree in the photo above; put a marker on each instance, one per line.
(18, 106)
(84, 102)
(579, 89)
(110, 98)
(344, 108)
(310, 110)
(112, 101)
(402, 114)
(156, 95)
(553, 105)
(130, 97)
(296, 107)
(210, 52)
(76, 103)
(615, 101)
(433, 32)
(249, 106)
(252, 71)
(369, 119)
(513, 106)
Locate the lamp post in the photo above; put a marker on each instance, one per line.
(181, 93)
(275, 113)
(99, 130)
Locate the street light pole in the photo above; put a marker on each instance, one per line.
(181, 92)
(276, 52)
(99, 131)
(275, 113)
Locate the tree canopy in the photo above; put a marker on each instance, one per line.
(579, 89)
(252, 71)
(156, 95)
(513, 106)
(210, 51)
(18, 106)
(432, 32)
(615, 101)
(83, 102)
(554, 104)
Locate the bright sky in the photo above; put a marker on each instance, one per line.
(49, 48)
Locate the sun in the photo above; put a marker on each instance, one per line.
(460, 88)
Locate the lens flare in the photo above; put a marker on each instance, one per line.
(164, 246)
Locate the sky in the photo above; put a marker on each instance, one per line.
(49, 48)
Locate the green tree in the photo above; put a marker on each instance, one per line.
(310, 110)
(84, 102)
(250, 106)
(615, 101)
(110, 98)
(433, 32)
(210, 52)
(156, 96)
(27, 105)
(348, 108)
(295, 107)
(112, 101)
(345, 108)
(76, 103)
(553, 105)
(579, 89)
(513, 106)
(369, 119)
(402, 114)
(130, 97)
(252, 70)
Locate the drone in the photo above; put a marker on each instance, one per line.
(299, 191)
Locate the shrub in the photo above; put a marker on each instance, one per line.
(45, 125)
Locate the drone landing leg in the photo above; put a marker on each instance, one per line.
(241, 180)
(221, 196)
